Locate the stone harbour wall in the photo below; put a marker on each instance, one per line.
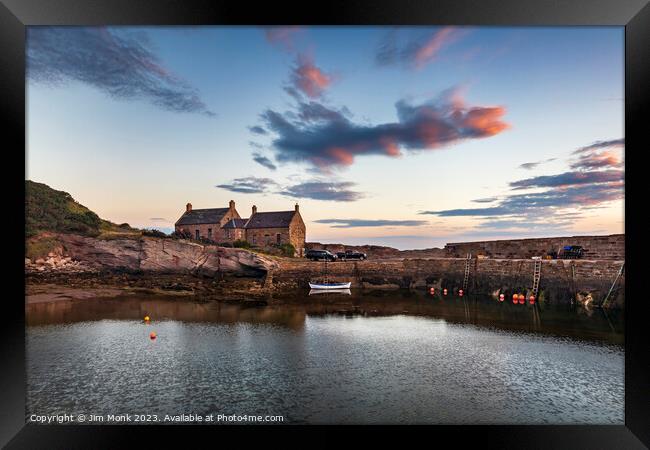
(595, 247)
(562, 281)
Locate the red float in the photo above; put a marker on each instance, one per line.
(502, 297)
(444, 291)
(515, 297)
(531, 299)
(153, 335)
(460, 292)
(522, 299)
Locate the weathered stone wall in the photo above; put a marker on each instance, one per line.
(217, 233)
(297, 233)
(560, 280)
(595, 247)
(263, 237)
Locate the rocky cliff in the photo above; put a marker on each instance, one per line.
(75, 253)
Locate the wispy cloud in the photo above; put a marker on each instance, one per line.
(257, 130)
(316, 189)
(354, 223)
(601, 144)
(324, 190)
(308, 78)
(249, 185)
(119, 63)
(416, 53)
(327, 137)
(264, 161)
(158, 219)
(562, 199)
(486, 200)
(533, 165)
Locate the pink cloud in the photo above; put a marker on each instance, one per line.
(309, 78)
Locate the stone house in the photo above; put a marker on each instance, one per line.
(206, 223)
(261, 229)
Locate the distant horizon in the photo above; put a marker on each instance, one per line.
(405, 137)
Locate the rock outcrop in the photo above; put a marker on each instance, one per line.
(151, 255)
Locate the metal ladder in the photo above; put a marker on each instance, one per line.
(468, 261)
(615, 286)
(537, 273)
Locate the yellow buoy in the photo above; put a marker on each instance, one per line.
(146, 318)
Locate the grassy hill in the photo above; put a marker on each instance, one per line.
(47, 209)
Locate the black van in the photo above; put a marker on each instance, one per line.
(316, 255)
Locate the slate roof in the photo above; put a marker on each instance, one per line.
(235, 223)
(197, 216)
(272, 219)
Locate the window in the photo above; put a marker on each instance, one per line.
(197, 235)
(278, 237)
(209, 233)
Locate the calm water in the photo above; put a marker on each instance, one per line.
(385, 358)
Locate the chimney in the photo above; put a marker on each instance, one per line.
(231, 204)
(297, 207)
(254, 209)
(188, 207)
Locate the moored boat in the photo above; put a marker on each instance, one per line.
(330, 285)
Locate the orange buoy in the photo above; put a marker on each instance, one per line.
(515, 297)
(531, 299)
(460, 292)
(502, 297)
(522, 299)
(444, 291)
(153, 335)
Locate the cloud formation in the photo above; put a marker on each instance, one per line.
(118, 63)
(316, 189)
(353, 223)
(257, 130)
(415, 53)
(249, 185)
(601, 144)
(598, 178)
(532, 165)
(309, 79)
(324, 190)
(326, 137)
(264, 161)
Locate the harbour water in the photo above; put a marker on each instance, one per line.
(386, 357)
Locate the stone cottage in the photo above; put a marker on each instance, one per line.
(261, 229)
(206, 223)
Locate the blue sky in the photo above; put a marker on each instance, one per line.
(408, 136)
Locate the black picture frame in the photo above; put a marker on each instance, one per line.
(634, 15)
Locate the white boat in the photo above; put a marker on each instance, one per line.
(330, 285)
(330, 291)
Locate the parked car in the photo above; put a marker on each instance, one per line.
(349, 254)
(571, 252)
(316, 255)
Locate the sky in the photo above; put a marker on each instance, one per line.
(409, 137)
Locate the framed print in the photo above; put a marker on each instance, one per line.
(371, 214)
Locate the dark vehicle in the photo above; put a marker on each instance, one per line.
(316, 255)
(571, 252)
(349, 254)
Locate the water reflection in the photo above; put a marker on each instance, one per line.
(291, 309)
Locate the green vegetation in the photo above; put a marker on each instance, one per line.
(241, 244)
(49, 210)
(287, 250)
